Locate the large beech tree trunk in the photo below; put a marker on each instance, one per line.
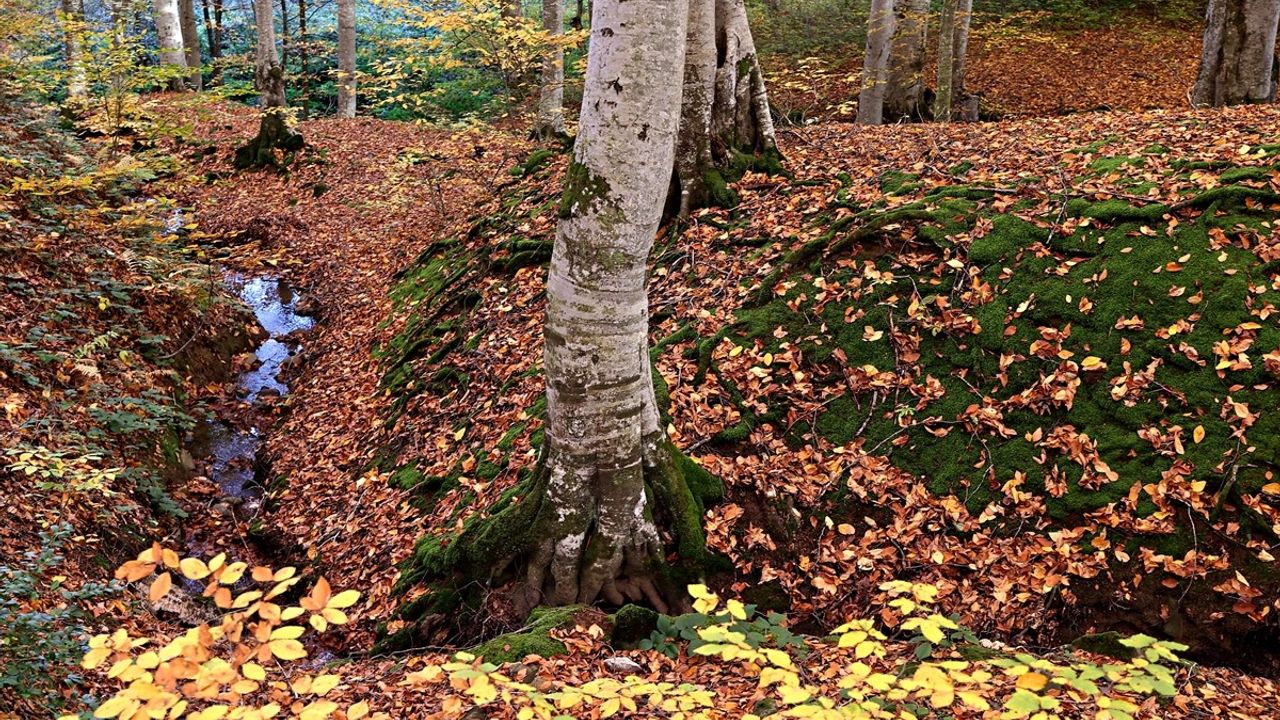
(169, 36)
(725, 105)
(191, 43)
(904, 96)
(875, 65)
(550, 119)
(347, 58)
(1237, 62)
(597, 535)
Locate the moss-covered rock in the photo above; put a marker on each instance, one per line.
(534, 639)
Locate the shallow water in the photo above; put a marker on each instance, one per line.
(232, 450)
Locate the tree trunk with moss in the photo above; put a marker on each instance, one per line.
(347, 58)
(904, 96)
(169, 37)
(725, 121)
(191, 43)
(953, 46)
(875, 64)
(597, 534)
(274, 133)
(1237, 61)
(549, 123)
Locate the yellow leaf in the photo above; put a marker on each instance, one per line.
(1271, 488)
(357, 711)
(160, 587)
(1032, 681)
(287, 649)
(610, 707)
(344, 599)
(318, 710)
(793, 694)
(324, 683)
(194, 568)
(1197, 435)
(113, 707)
(253, 671)
(288, 632)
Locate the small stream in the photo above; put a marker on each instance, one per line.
(232, 444)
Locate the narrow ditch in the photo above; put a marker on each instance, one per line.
(230, 445)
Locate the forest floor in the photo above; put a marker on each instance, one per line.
(1006, 359)
(379, 202)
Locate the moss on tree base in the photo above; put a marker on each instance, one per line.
(273, 147)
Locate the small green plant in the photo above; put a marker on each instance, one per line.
(758, 630)
(42, 633)
(61, 471)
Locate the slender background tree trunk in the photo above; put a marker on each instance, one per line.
(904, 96)
(191, 43)
(304, 58)
(72, 26)
(603, 432)
(875, 66)
(693, 150)
(945, 98)
(346, 58)
(550, 120)
(1237, 60)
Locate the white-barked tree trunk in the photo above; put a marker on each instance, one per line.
(693, 150)
(72, 30)
(875, 65)
(268, 76)
(598, 536)
(740, 112)
(549, 122)
(1237, 60)
(169, 36)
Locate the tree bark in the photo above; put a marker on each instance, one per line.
(904, 96)
(72, 26)
(549, 123)
(603, 434)
(881, 21)
(284, 33)
(304, 56)
(1237, 60)
(724, 115)
(169, 37)
(960, 50)
(945, 98)
(740, 118)
(191, 43)
(213, 33)
(347, 58)
(693, 146)
(268, 72)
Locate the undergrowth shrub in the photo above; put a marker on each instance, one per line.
(42, 625)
